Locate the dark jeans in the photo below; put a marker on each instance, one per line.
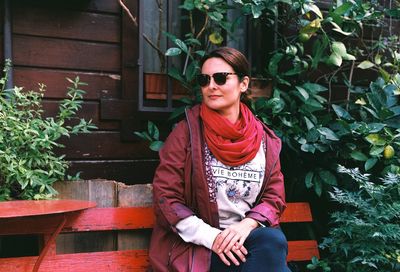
(267, 249)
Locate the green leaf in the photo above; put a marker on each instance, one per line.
(318, 187)
(349, 57)
(386, 76)
(337, 28)
(191, 71)
(375, 127)
(173, 51)
(314, 87)
(309, 124)
(376, 150)
(370, 163)
(256, 11)
(308, 179)
(358, 156)
(344, 8)
(375, 139)
(334, 59)
(341, 112)
(366, 64)
(339, 48)
(143, 135)
(315, 9)
(153, 130)
(328, 133)
(216, 16)
(310, 148)
(156, 145)
(181, 45)
(303, 92)
(273, 64)
(327, 177)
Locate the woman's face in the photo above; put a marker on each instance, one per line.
(225, 99)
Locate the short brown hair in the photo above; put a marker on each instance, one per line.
(231, 56)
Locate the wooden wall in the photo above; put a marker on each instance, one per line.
(95, 40)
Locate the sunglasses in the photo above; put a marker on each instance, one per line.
(219, 78)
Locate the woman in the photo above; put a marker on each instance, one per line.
(218, 191)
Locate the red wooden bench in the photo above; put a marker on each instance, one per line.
(121, 218)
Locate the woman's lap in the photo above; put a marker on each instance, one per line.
(267, 249)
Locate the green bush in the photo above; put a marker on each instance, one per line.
(28, 163)
(365, 234)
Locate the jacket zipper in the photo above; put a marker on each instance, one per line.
(170, 253)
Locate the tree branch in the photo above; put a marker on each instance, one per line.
(134, 20)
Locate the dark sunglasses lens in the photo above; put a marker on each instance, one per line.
(220, 78)
(203, 80)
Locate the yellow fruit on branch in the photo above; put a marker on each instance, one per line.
(388, 152)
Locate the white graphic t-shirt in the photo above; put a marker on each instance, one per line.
(235, 188)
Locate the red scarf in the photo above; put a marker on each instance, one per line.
(232, 144)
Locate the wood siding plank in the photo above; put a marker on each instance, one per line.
(103, 6)
(104, 145)
(66, 54)
(100, 85)
(66, 24)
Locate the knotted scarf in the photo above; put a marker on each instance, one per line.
(232, 144)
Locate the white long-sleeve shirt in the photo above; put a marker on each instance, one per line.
(235, 190)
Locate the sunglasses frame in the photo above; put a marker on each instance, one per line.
(201, 77)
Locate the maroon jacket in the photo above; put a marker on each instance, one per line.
(181, 190)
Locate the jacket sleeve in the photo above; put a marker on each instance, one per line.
(168, 182)
(272, 202)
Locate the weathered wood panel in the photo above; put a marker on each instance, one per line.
(99, 85)
(136, 196)
(66, 24)
(105, 6)
(103, 192)
(66, 54)
(104, 145)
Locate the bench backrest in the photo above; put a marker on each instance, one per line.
(119, 218)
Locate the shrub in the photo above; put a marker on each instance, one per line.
(28, 163)
(365, 235)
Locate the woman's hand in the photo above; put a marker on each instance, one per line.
(231, 241)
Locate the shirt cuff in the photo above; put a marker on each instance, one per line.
(194, 230)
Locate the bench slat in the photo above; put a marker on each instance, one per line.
(297, 212)
(121, 218)
(123, 260)
(302, 250)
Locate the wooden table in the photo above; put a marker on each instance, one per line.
(39, 217)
